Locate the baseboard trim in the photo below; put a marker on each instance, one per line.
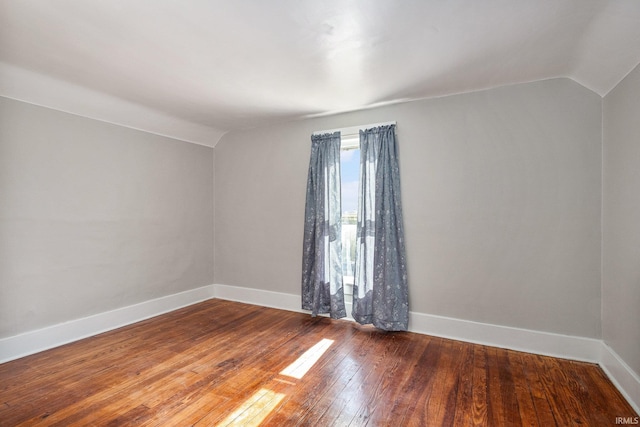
(63, 333)
(530, 341)
(283, 301)
(621, 375)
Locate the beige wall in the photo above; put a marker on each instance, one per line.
(502, 204)
(621, 220)
(95, 217)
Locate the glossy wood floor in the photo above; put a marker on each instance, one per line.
(226, 363)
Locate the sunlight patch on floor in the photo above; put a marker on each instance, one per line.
(254, 410)
(303, 363)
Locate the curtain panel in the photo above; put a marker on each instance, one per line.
(380, 293)
(322, 286)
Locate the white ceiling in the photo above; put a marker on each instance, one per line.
(194, 69)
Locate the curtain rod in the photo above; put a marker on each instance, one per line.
(353, 130)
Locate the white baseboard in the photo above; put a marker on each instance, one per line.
(537, 342)
(280, 300)
(544, 343)
(621, 375)
(289, 302)
(56, 335)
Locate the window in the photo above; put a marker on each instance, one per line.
(350, 170)
(380, 294)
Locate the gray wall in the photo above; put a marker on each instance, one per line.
(95, 216)
(502, 204)
(501, 191)
(621, 220)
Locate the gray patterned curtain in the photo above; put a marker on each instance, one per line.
(322, 290)
(380, 292)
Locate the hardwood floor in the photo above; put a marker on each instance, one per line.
(222, 363)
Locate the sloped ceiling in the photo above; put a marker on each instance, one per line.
(195, 69)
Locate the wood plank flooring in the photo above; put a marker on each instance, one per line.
(220, 363)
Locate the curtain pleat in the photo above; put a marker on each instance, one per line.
(322, 287)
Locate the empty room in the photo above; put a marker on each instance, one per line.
(319, 213)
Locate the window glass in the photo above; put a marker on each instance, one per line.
(350, 167)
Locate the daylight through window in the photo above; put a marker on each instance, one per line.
(350, 170)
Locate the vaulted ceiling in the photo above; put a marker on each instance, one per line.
(194, 69)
